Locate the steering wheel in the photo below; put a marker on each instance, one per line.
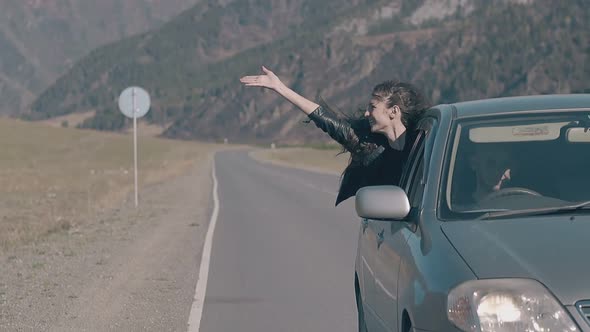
(509, 192)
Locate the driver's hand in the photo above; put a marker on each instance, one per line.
(505, 176)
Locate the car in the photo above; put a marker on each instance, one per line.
(489, 228)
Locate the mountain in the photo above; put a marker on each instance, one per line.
(41, 39)
(454, 49)
(169, 60)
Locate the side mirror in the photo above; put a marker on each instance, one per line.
(382, 202)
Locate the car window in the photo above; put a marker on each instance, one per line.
(412, 157)
(517, 162)
(414, 179)
(414, 170)
(422, 145)
(416, 185)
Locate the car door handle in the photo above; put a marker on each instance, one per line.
(364, 224)
(380, 238)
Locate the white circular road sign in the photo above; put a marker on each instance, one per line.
(134, 102)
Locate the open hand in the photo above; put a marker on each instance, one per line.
(267, 80)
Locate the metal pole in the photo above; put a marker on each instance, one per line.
(135, 143)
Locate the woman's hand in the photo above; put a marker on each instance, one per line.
(268, 80)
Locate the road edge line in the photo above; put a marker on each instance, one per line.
(196, 313)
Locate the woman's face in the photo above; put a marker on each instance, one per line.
(379, 116)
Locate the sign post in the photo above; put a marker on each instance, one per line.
(134, 102)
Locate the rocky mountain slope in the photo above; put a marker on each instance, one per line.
(41, 39)
(454, 49)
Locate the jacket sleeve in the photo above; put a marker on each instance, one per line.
(339, 129)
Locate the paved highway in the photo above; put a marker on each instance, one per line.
(282, 255)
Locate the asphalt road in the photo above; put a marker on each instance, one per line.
(283, 255)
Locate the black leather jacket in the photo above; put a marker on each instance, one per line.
(375, 163)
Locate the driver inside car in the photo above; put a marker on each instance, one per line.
(492, 171)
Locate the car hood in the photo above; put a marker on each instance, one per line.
(552, 250)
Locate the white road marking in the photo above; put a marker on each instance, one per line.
(196, 313)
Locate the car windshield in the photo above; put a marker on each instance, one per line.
(513, 163)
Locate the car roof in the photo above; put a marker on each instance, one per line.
(495, 106)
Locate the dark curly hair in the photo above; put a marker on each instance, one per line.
(406, 96)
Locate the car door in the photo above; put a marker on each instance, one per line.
(392, 235)
(367, 249)
(371, 239)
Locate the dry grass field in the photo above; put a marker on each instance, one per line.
(57, 179)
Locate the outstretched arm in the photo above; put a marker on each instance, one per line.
(271, 81)
(339, 129)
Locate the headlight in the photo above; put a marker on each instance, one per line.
(506, 305)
